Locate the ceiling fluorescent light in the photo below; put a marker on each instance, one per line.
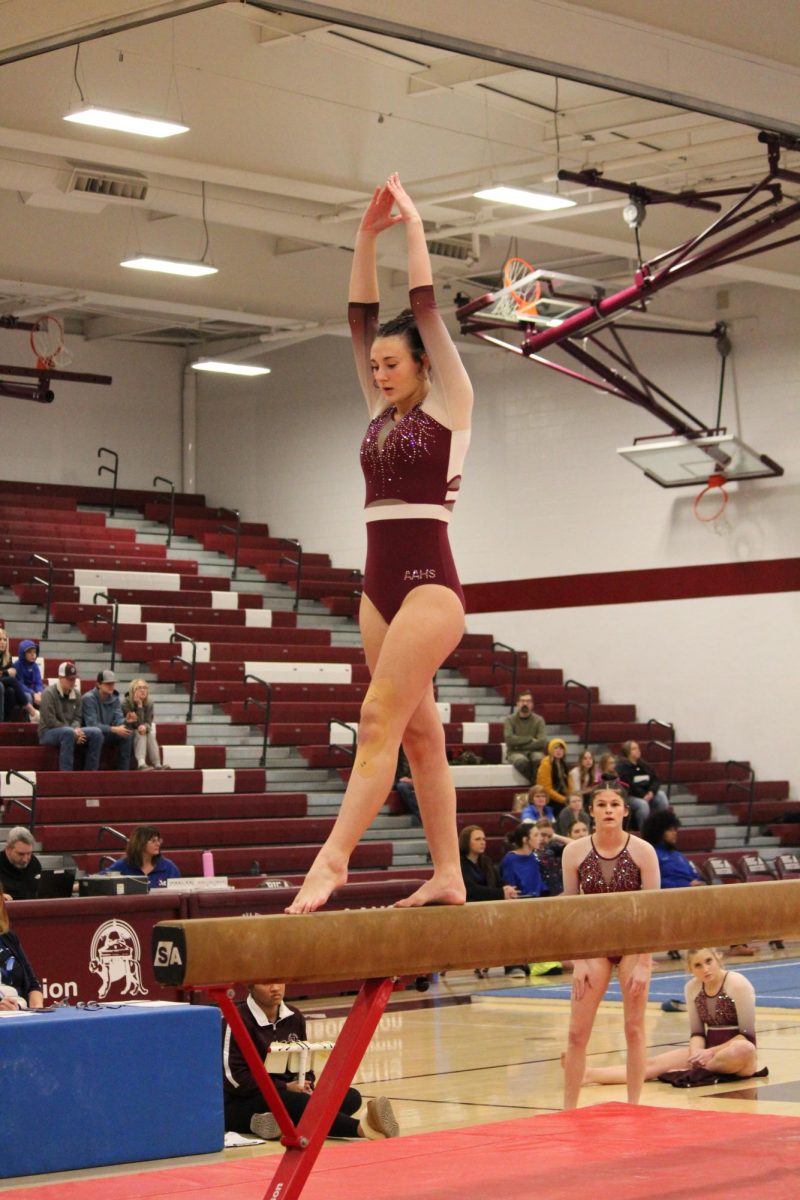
(230, 368)
(524, 199)
(169, 266)
(107, 118)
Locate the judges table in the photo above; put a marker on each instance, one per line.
(108, 1083)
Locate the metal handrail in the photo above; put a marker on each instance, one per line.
(351, 750)
(742, 785)
(110, 829)
(11, 800)
(48, 583)
(178, 658)
(294, 562)
(266, 706)
(114, 622)
(171, 486)
(585, 708)
(670, 746)
(236, 530)
(113, 471)
(512, 669)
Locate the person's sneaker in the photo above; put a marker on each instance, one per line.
(380, 1121)
(265, 1126)
(673, 1006)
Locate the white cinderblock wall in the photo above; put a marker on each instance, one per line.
(545, 494)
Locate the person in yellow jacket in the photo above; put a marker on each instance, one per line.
(553, 772)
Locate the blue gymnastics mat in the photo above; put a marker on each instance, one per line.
(776, 984)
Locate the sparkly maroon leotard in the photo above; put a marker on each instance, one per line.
(721, 1024)
(618, 874)
(412, 466)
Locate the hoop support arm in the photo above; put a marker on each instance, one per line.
(52, 373)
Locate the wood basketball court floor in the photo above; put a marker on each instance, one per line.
(478, 1071)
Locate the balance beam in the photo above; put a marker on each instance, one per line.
(383, 943)
(377, 945)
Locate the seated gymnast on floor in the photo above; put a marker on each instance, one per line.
(722, 1040)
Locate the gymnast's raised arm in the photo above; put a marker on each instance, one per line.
(363, 296)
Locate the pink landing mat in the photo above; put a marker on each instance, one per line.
(607, 1150)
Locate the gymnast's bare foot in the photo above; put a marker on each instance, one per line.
(325, 875)
(444, 890)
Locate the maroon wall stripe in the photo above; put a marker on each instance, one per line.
(634, 587)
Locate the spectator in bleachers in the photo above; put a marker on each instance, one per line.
(572, 812)
(102, 709)
(14, 695)
(19, 987)
(578, 829)
(538, 805)
(19, 866)
(519, 865)
(61, 722)
(584, 777)
(138, 709)
(549, 855)
(29, 676)
(641, 784)
(661, 831)
(404, 786)
(143, 857)
(481, 877)
(525, 736)
(267, 1019)
(553, 773)
(607, 767)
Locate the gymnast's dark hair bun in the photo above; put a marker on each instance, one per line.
(404, 325)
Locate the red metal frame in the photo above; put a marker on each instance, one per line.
(304, 1141)
(715, 246)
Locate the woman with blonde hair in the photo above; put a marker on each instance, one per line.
(138, 709)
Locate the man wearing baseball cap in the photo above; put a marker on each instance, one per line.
(102, 710)
(61, 721)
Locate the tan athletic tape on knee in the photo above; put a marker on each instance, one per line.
(379, 696)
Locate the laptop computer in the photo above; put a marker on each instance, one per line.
(54, 884)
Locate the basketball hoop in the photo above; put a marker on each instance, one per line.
(716, 482)
(525, 292)
(47, 343)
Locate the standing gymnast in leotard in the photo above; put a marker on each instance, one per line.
(608, 861)
(412, 608)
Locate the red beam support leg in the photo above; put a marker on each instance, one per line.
(345, 1059)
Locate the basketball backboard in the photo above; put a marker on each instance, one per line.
(677, 461)
(541, 298)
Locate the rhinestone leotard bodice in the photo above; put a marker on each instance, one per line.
(618, 874)
(724, 1013)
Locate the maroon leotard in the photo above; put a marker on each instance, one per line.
(412, 466)
(722, 1024)
(618, 874)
